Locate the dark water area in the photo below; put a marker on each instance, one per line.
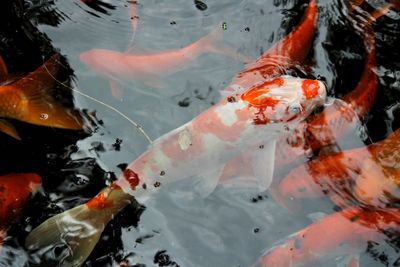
(234, 225)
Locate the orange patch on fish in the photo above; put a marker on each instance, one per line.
(257, 96)
(310, 88)
(99, 202)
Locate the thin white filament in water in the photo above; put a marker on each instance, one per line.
(135, 124)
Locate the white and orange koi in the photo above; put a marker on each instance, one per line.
(197, 150)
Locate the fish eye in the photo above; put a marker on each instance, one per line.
(295, 108)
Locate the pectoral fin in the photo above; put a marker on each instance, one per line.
(263, 160)
(353, 261)
(205, 183)
(116, 90)
(8, 129)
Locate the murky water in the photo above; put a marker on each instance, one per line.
(234, 225)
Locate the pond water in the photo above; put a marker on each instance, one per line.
(234, 225)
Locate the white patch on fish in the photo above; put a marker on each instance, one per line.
(227, 113)
(185, 139)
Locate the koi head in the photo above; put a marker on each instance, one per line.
(285, 99)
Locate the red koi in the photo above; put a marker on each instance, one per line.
(28, 99)
(343, 233)
(15, 190)
(288, 52)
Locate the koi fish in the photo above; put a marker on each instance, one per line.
(342, 117)
(288, 52)
(28, 99)
(197, 150)
(368, 175)
(15, 190)
(343, 233)
(338, 119)
(149, 68)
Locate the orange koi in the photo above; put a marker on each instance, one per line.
(287, 53)
(343, 233)
(368, 175)
(28, 99)
(15, 190)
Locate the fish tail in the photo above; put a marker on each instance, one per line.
(39, 107)
(77, 230)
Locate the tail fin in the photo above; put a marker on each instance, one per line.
(40, 107)
(76, 230)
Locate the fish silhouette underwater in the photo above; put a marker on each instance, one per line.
(364, 183)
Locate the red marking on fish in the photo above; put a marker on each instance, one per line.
(260, 117)
(99, 202)
(131, 177)
(310, 88)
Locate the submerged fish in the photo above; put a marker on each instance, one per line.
(15, 190)
(149, 68)
(198, 150)
(28, 99)
(342, 234)
(369, 175)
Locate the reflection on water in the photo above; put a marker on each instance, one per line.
(352, 172)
